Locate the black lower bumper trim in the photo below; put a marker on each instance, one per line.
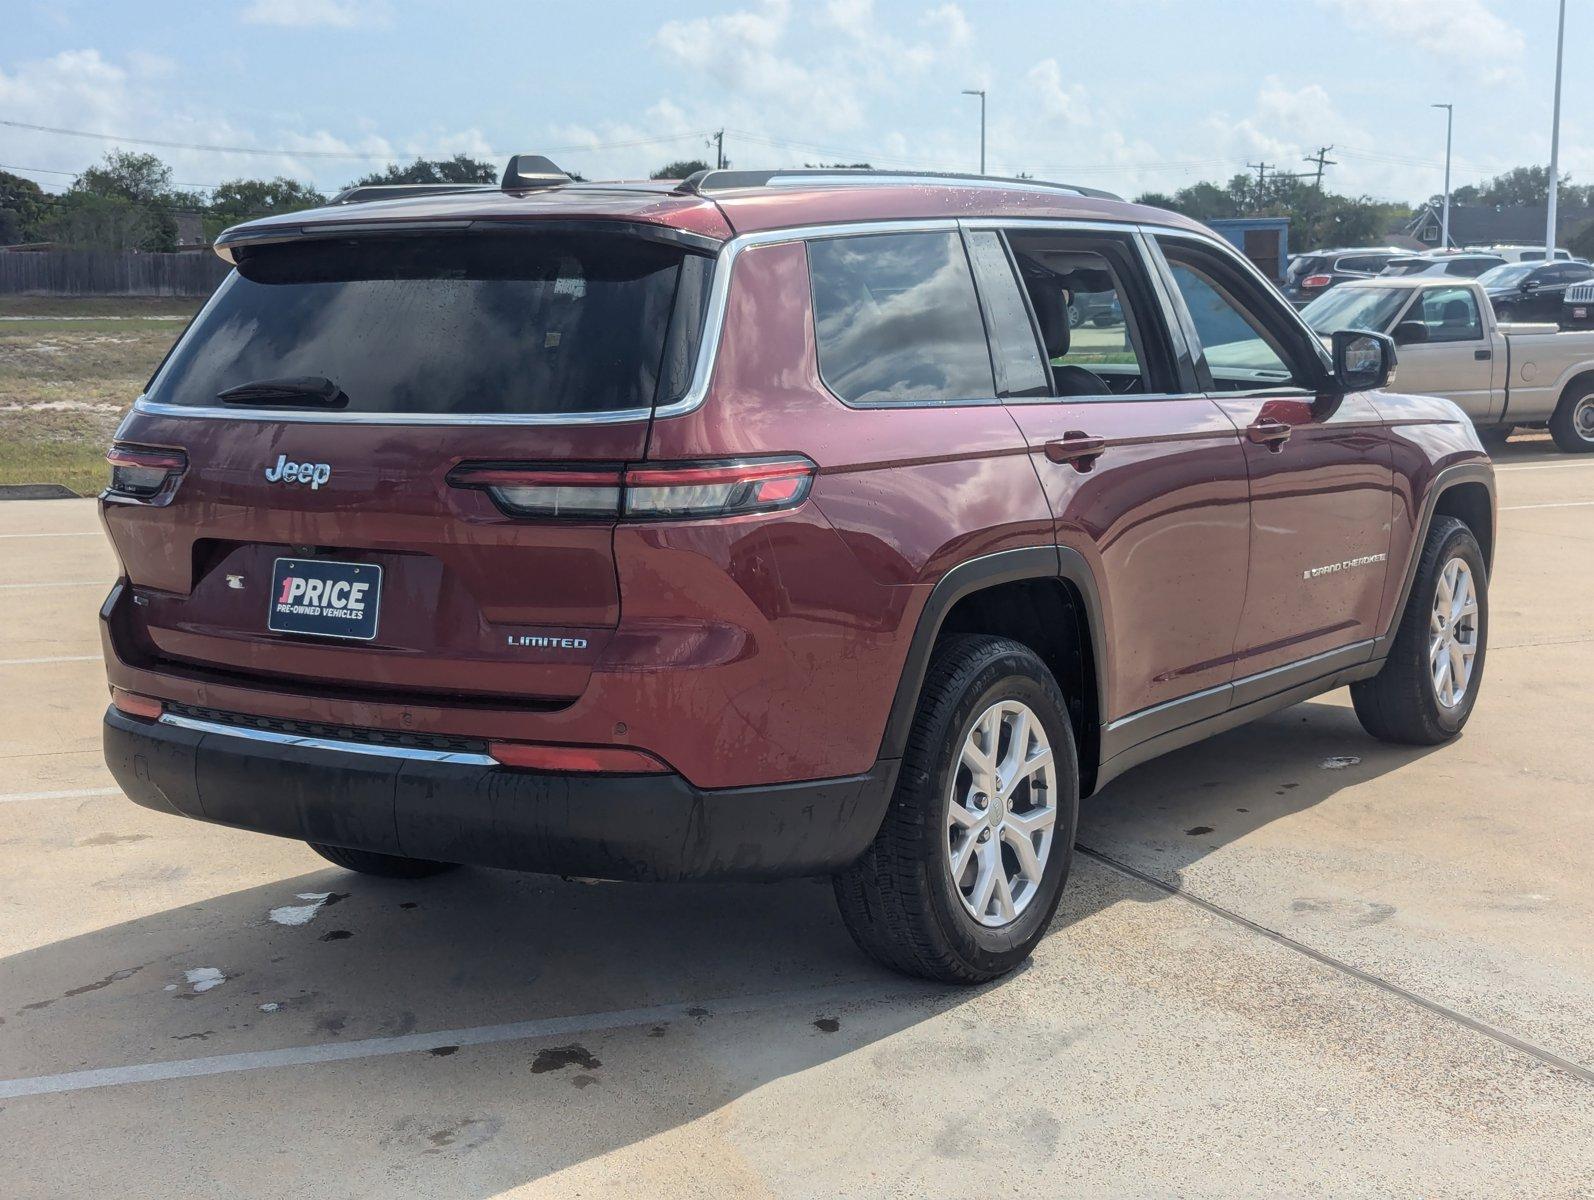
(634, 827)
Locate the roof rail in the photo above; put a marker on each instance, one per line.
(703, 182)
(364, 193)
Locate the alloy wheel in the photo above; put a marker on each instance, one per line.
(1453, 633)
(1001, 813)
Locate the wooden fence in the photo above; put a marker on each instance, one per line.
(109, 273)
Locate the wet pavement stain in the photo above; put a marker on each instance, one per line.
(658, 1031)
(113, 977)
(556, 1058)
(1198, 830)
(583, 1081)
(443, 1051)
(335, 935)
(827, 1024)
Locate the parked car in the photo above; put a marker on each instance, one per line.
(1452, 344)
(1521, 254)
(1310, 275)
(1577, 310)
(1095, 308)
(1532, 291)
(762, 524)
(1456, 266)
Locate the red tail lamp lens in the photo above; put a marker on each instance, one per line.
(654, 492)
(1317, 281)
(576, 760)
(131, 704)
(143, 471)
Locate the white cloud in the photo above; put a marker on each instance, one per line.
(312, 14)
(1465, 32)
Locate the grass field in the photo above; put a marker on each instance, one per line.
(69, 369)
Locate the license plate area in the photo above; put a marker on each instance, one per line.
(318, 598)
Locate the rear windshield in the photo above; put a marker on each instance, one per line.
(490, 324)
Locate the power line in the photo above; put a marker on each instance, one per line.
(334, 154)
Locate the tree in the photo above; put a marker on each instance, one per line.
(141, 178)
(680, 169)
(126, 193)
(243, 199)
(460, 169)
(23, 209)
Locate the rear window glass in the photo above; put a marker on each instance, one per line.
(489, 324)
(897, 319)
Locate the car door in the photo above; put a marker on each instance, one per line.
(1455, 357)
(1321, 472)
(1145, 475)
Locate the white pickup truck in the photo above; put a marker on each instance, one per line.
(1451, 345)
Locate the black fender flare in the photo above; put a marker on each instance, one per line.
(976, 575)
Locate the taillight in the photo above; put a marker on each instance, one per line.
(657, 491)
(143, 472)
(1317, 281)
(601, 760)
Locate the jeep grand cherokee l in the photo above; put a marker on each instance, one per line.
(761, 525)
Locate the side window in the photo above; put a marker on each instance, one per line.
(1451, 315)
(1241, 351)
(1094, 312)
(1370, 264)
(1019, 369)
(897, 319)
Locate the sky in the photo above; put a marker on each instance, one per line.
(1127, 95)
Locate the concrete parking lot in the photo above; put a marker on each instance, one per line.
(1291, 961)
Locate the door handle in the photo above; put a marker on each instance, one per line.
(1483, 355)
(1265, 431)
(1081, 449)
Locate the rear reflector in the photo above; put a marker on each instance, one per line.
(601, 760)
(131, 704)
(654, 492)
(142, 472)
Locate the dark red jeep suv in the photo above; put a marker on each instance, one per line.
(762, 524)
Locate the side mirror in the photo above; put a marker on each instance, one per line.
(1411, 333)
(1362, 361)
(1530, 285)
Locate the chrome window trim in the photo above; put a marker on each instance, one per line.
(713, 327)
(222, 729)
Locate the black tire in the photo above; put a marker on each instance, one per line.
(899, 900)
(1401, 703)
(1572, 425)
(388, 866)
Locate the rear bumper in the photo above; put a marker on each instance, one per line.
(456, 808)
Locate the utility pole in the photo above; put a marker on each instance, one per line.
(1450, 120)
(719, 150)
(1261, 179)
(980, 92)
(1555, 143)
(1322, 160)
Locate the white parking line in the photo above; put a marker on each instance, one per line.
(1544, 466)
(14, 587)
(28, 662)
(91, 533)
(73, 794)
(1560, 504)
(818, 999)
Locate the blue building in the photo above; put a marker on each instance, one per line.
(1263, 240)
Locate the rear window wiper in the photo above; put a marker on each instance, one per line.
(302, 391)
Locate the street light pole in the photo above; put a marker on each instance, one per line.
(1450, 116)
(980, 92)
(1555, 143)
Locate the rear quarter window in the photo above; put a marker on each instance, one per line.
(897, 319)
